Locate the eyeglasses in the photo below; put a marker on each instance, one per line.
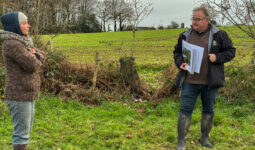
(197, 19)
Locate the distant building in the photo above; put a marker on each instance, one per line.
(145, 28)
(130, 28)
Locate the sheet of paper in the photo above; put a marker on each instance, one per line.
(196, 56)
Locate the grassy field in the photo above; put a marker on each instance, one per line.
(129, 126)
(126, 125)
(154, 47)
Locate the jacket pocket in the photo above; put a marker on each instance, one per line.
(216, 75)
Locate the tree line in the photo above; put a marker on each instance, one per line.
(64, 16)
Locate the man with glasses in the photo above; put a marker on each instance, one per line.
(218, 49)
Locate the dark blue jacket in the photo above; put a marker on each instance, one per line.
(219, 44)
(10, 23)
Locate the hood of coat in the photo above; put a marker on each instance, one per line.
(11, 23)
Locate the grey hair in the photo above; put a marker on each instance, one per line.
(204, 10)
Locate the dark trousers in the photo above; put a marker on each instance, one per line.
(190, 92)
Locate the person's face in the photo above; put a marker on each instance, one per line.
(24, 27)
(199, 21)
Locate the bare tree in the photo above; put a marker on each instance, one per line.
(114, 10)
(85, 7)
(212, 12)
(66, 13)
(240, 13)
(112, 6)
(123, 13)
(138, 10)
(103, 13)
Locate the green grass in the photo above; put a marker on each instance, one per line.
(119, 125)
(152, 47)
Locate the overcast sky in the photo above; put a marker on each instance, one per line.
(166, 11)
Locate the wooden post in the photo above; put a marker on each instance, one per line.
(51, 45)
(95, 71)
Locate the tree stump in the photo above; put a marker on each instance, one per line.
(129, 74)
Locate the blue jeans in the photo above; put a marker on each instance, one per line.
(190, 93)
(22, 117)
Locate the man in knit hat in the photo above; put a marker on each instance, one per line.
(22, 85)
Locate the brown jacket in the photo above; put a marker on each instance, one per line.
(22, 79)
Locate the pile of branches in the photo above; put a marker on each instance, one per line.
(74, 81)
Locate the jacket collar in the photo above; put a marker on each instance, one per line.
(213, 30)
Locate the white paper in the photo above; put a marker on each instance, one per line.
(194, 57)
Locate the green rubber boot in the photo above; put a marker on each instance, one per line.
(183, 128)
(206, 126)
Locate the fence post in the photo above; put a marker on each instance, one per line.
(95, 72)
(51, 45)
